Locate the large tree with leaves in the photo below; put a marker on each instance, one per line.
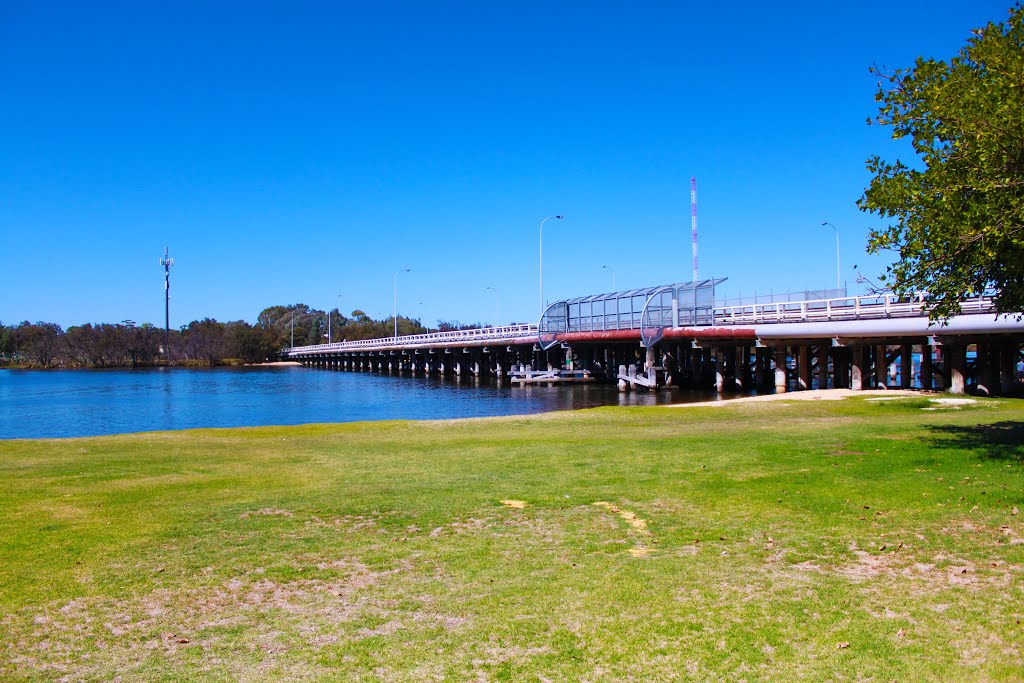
(955, 213)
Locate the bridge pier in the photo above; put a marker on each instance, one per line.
(956, 360)
(856, 367)
(927, 374)
(906, 366)
(719, 370)
(823, 354)
(740, 363)
(1007, 367)
(804, 367)
(781, 371)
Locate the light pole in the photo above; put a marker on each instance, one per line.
(613, 275)
(404, 270)
(838, 280)
(542, 260)
(494, 293)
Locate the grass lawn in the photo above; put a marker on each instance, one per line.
(846, 540)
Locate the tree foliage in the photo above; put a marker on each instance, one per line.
(956, 212)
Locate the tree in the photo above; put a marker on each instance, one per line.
(956, 214)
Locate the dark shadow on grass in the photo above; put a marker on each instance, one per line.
(1002, 440)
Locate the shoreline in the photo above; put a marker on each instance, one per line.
(809, 395)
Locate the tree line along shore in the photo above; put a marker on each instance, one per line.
(200, 342)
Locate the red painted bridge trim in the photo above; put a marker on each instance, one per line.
(711, 333)
(739, 333)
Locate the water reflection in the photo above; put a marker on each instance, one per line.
(61, 403)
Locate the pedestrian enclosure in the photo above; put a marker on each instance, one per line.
(688, 304)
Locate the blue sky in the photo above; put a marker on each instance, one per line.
(299, 151)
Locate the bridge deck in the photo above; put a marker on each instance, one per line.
(842, 317)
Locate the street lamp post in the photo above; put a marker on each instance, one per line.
(404, 270)
(609, 268)
(838, 280)
(542, 260)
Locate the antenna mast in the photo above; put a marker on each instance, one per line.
(167, 262)
(693, 224)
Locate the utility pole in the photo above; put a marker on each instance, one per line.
(693, 224)
(167, 262)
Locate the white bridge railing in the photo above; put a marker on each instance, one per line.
(508, 333)
(869, 307)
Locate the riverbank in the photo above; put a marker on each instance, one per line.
(759, 540)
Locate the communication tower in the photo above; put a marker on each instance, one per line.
(167, 262)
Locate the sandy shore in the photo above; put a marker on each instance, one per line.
(276, 363)
(814, 395)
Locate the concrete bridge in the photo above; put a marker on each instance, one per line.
(676, 335)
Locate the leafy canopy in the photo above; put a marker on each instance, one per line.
(956, 214)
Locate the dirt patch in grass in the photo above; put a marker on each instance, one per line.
(222, 627)
(630, 518)
(267, 512)
(517, 504)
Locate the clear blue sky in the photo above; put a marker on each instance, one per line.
(296, 151)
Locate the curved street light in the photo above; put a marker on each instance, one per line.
(838, 280)
(542, 260)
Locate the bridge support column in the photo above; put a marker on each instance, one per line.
(856, 367)
(695, 369)
(781, 371)
(719, 370)
(739, 368)
(987, 368)
(1007, 367)
(760, 368)
(823, 365)
(956, 361)
(906, 366)
(927, 377)
(881, 367)
(804, 372)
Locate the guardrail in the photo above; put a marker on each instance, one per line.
(869, 307)
(494, 334)
(872, 306)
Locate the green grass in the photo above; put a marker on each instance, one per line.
(766, 535)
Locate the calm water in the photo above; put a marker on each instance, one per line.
(61, 403)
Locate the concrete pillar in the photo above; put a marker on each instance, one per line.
(956, 362)
(719, 370)
(906, 366)
(856, 367)
(739, 367)
(1007, 367)
(927, 376)
(988, 368)
(823, 365)
(780, 370)
(840, 367)
(881, 367)
(761, 368)
(804, 369)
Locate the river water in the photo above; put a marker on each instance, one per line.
(65, 403)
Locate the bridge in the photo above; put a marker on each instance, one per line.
(681, 335)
